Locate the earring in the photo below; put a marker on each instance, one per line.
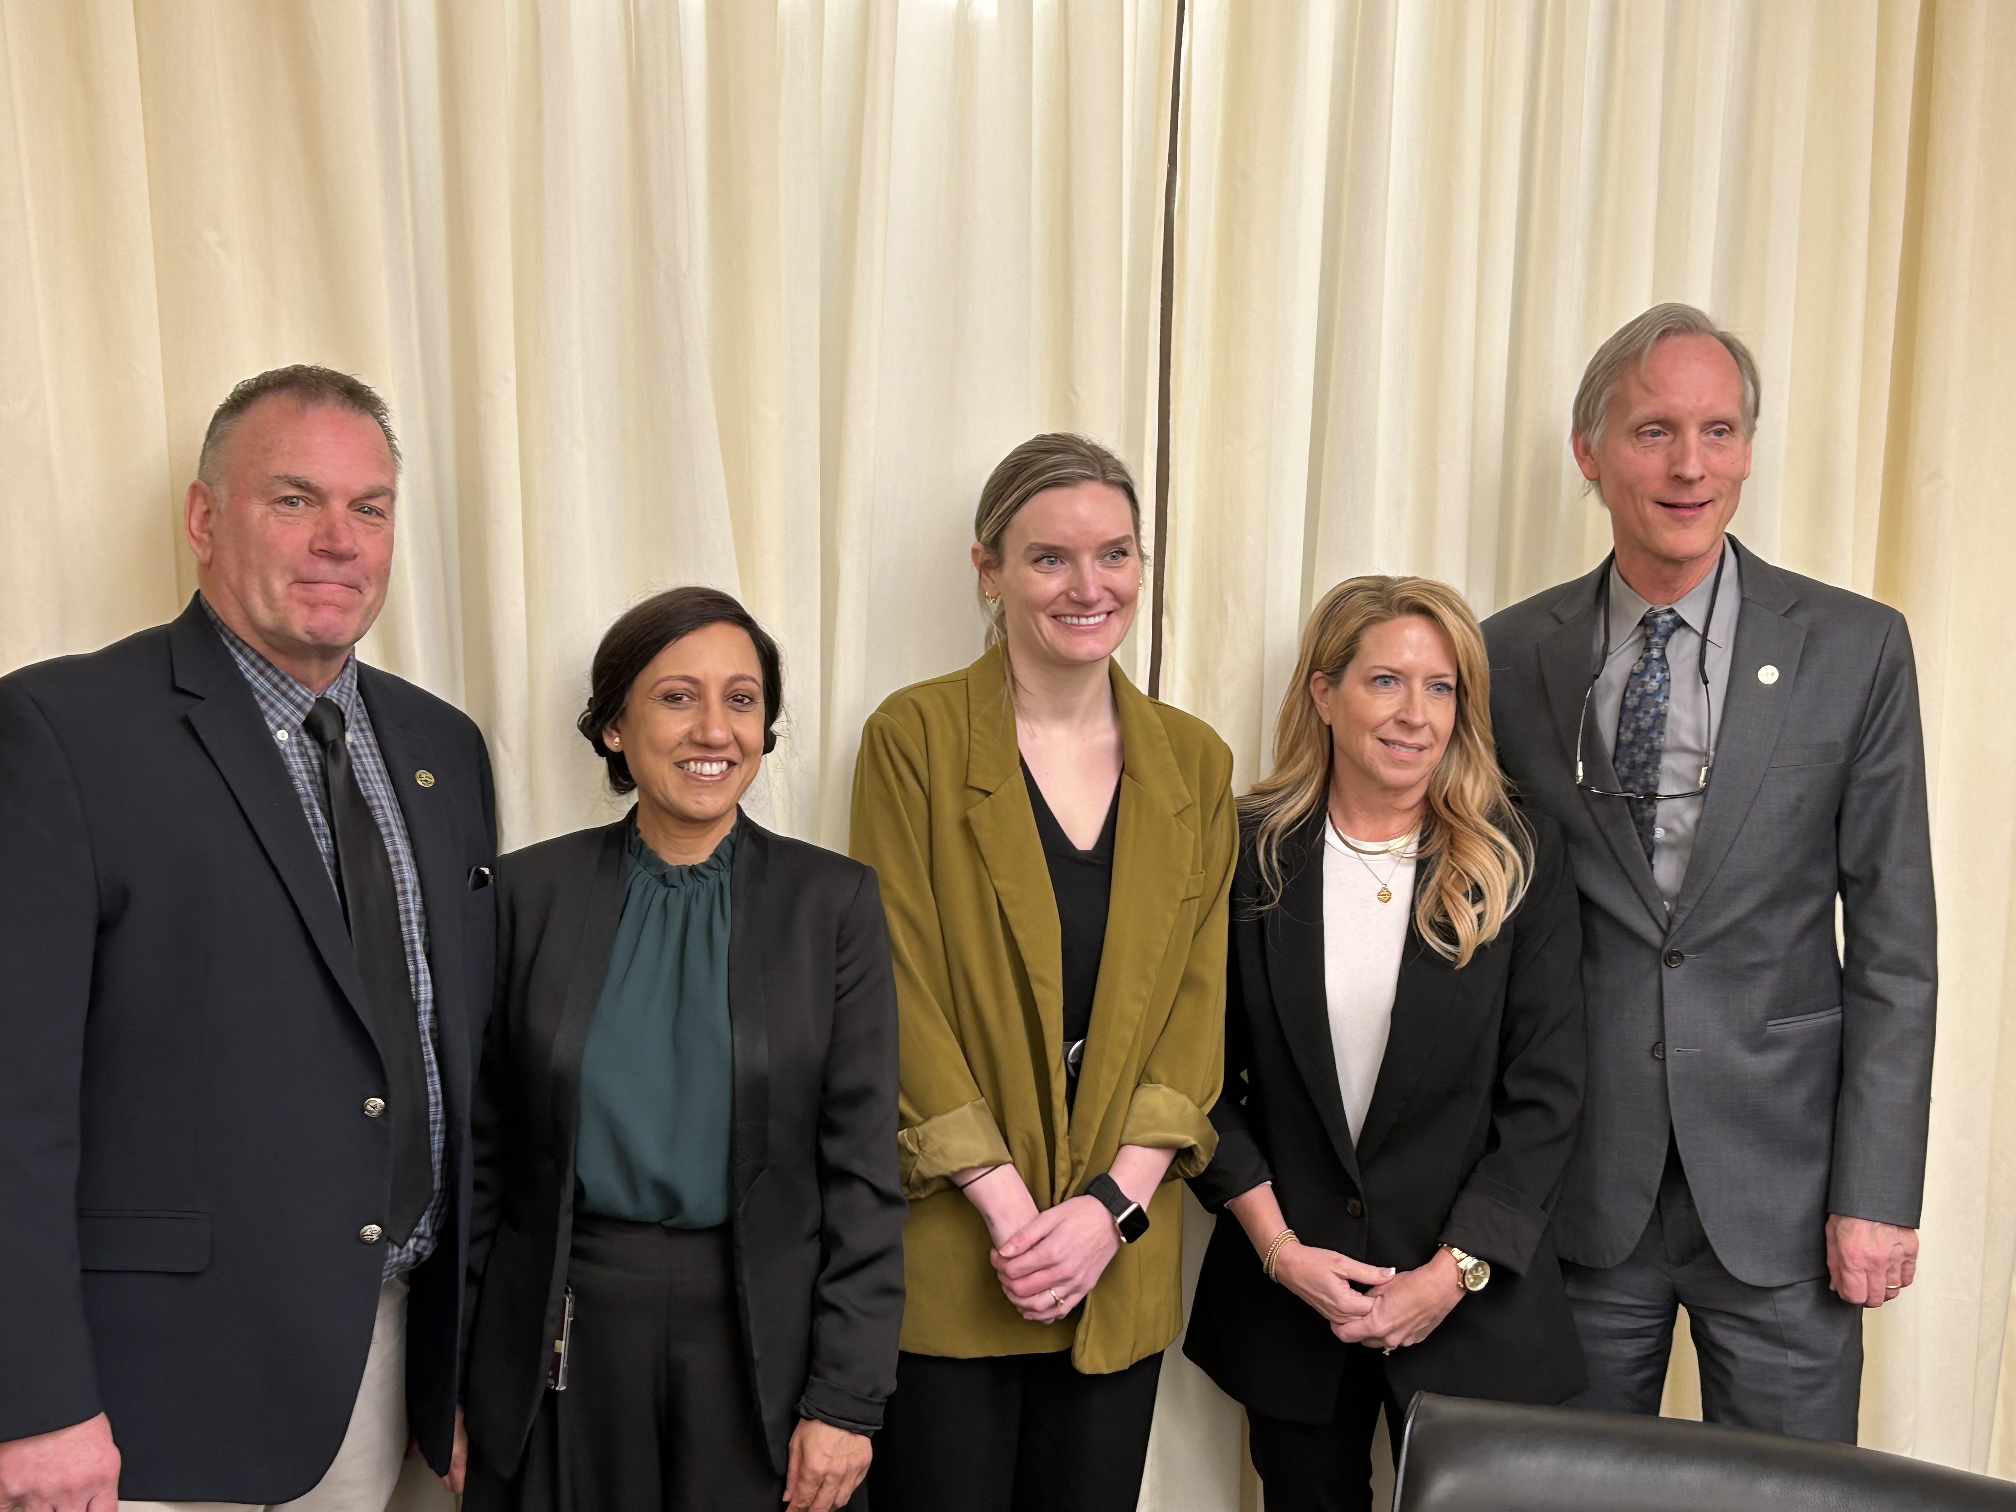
(993, 600)
(615, 742)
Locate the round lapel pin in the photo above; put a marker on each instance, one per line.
(426, 778)
(1767, 674)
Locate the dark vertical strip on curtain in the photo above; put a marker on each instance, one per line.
(1168, 324)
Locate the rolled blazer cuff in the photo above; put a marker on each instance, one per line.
(1235, 1169)
(1161, 1118)
(930, 1152)
(828, 1403)
(1495, 1222)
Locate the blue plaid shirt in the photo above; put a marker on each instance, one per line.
(283, 705)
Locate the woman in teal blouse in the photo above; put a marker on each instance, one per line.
(685, 1248)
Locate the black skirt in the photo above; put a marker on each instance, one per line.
(659, 1410)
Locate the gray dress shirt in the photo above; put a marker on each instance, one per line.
(1689, 730)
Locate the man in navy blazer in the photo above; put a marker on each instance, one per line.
(1732, 749)
(249, 950)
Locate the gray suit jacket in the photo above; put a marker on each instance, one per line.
(1795, 1077)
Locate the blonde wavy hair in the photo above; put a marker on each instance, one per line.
(1476, 850)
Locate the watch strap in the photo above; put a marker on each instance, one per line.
(1128, 1215)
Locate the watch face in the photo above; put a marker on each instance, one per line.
(1133, 1223)
(1477, 1276)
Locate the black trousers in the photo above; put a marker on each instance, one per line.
(1327, 1467)
(1013, 1433)
(659, 1414)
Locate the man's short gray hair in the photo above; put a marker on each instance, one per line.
(1632, 344)
(308, 384)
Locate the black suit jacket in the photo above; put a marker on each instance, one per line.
(187, 1163)
(816, 1210)
(1472, 1119)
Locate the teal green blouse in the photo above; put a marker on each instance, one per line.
(658, 1069)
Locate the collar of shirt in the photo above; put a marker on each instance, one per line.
(283, 700)
(1628, 607)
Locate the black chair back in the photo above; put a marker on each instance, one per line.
(1460, 1455)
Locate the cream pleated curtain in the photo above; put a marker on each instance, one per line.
(755, 292)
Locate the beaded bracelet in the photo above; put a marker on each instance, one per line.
(1281, 1241)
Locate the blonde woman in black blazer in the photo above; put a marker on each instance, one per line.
(736, 1352)
(1401, 1094)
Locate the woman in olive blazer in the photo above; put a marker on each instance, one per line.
(946, 809)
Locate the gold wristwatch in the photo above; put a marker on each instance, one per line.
(1475, 1274)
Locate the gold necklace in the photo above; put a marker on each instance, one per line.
(1399, 848)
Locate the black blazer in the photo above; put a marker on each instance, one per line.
(1472, 1119)
(816, 1212)
(185, 1066)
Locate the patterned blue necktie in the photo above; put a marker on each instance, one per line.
(1641, 721)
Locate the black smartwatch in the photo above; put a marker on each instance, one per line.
(1128, 1215)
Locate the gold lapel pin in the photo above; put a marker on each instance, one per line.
(424, 777)
(1767, 674)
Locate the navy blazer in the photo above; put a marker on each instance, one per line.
(1470, 1126)
(187, 1163)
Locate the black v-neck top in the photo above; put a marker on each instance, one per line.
(1082, 882)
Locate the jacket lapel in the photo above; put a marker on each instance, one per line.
(1004, 830)
(227, 722)
(749, 1004)
(1292, 932)
(586, 913)
(1567, 657)
(1751, 718)
(443, 884)
(1154, 849)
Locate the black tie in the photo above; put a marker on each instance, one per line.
(371, 902)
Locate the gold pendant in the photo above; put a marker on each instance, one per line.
(1385, 895)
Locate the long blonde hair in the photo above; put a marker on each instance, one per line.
(1476, 850)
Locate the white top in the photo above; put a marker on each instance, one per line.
(1362, 941)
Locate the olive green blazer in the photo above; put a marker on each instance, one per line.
(942, 814)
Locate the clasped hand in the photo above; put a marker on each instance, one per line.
(1391, 1312)
(1049, 1264)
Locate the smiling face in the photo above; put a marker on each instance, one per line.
(293, 542)
(1670, 462)
(692, 733)
(1390, 712)
(1068, 576)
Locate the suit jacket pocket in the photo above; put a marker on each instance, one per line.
(132, 1240)
(1800, 1020)
(1822, 753)
(1193, 886)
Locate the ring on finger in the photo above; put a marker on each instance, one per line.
(1057, 1299)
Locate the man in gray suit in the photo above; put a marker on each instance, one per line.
(1730, 748)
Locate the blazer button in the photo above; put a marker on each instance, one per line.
(1355, 1208)
(1675, 957)
(370, 1233)
(374, 1107)
(1659, 1050)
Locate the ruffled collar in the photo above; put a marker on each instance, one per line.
(651, 864)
